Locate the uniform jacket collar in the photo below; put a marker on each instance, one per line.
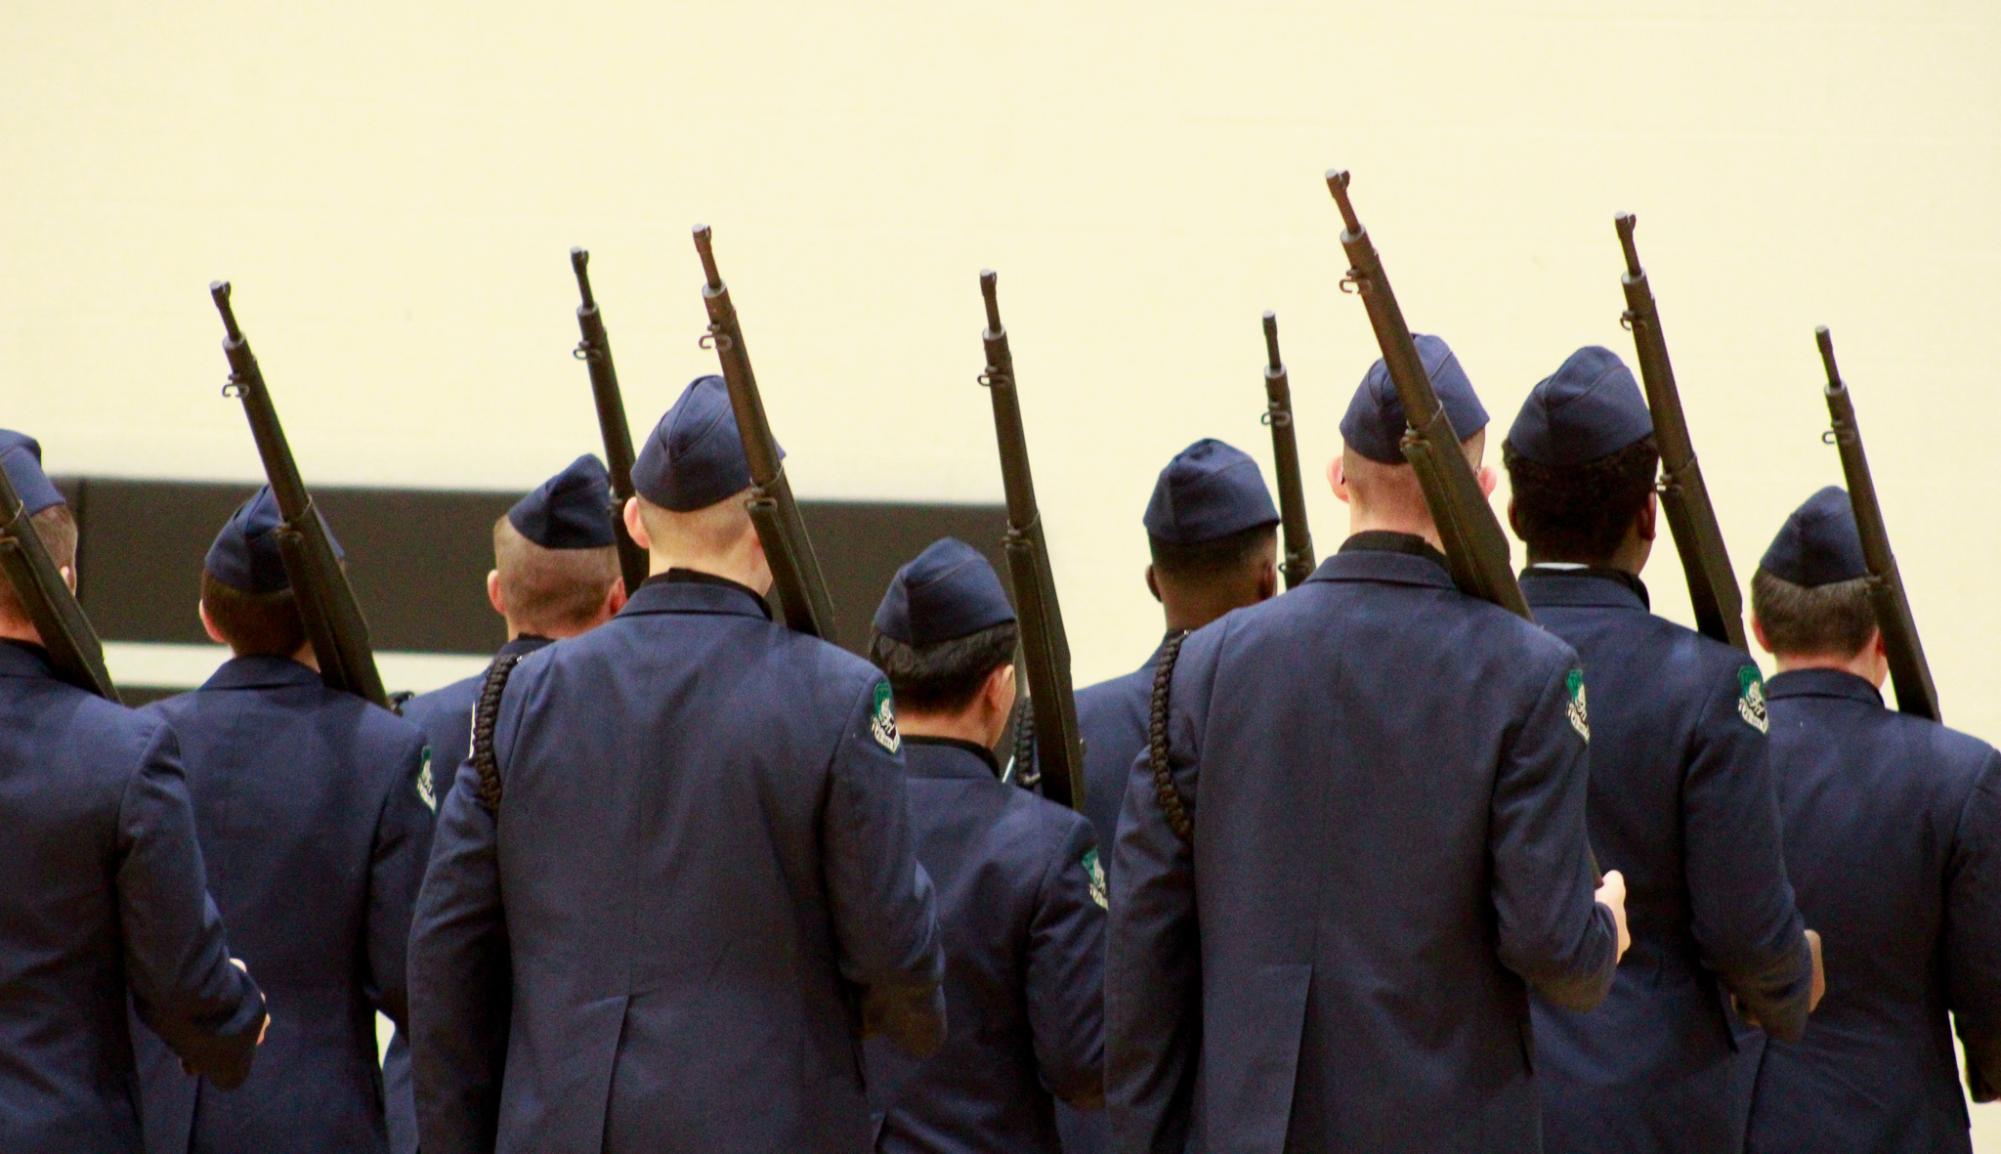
(1594, 588)
(948, 757)
(260, 673)
(523, 645)
(686, 591)
(1387, 558)
(1822, 683)
(20, 659)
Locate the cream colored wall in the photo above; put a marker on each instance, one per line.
(394, 190)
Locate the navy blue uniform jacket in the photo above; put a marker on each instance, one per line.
(1020, 895)
(445, 716)
(1893, 840)
(709, 884)
(1389, 849)
(1682, 803)
(309, 806)
(103, 891)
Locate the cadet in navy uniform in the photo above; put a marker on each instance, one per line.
(555, 575)
(1021, 892)
(1213, 534)
(697, 820)
(1212, 531)
(1387, 851)
(1681, 796)
(313, 808)
(104, 891)
(1893, 840)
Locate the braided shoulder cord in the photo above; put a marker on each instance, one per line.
(485, 714)
(1027, 774)
(1172, 805)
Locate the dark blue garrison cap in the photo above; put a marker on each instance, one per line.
(1375, 422)
(1209, 490)
(1819, 544)
(695, 456)
(21, 456)
(947, 591)
(1589, 408)
(571, 510)
(245, 555)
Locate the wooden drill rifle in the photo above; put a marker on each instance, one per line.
(1909, 672)
(1059, 748)
(1474, 543)
(795, 569)
(332, 617)
(1691, 518)
(1298, 565)
(595, 351)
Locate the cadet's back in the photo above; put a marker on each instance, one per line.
(314, 818)
(699, 837)
(1893, 842)
(1387, 844)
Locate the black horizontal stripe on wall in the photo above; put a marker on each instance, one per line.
(418, 558)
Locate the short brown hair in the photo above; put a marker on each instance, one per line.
(254, 624)
(56, 526)
(1813, 620)
(551, 590)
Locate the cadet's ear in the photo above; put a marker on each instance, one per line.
(635, 525)
(208, 625)
(1337, 479)
(1152, 582)
(1649, 518)
(614, 598)
(1489, 479)
(999, 690)
(69, 578)
(494, 597)
(1268, 580)
(1758, 631)
(1514, 518)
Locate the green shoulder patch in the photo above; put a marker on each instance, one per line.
(882, 719)
(1580, 717)
(1094, 873)
(427, 788)
(1751, 699)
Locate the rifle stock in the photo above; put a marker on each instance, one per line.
(594, 349)
(1698, 538)
(1474, 543)
(1909, 672)
(1298, 565)
(333, 620)
(795, 569)
(45, 597)
(1059, 748)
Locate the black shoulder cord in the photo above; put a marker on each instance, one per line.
(485, 715)
(1172, 805)
(1027, 774)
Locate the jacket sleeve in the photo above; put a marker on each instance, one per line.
(1973, 933)
(1153, 959)
(461, 980)
(184, 986)
(1552, 930)
(1066, 970)
(1744, 918)
(395, 871)
(884, 912)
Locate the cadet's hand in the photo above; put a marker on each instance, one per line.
(1819, 972)
(263, 1027)
(1612, 895)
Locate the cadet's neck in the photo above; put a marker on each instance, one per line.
(1364, 520)
(969, 726)
(13, 629)
(1869, 665)
(744, 566)
(1189, 610)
